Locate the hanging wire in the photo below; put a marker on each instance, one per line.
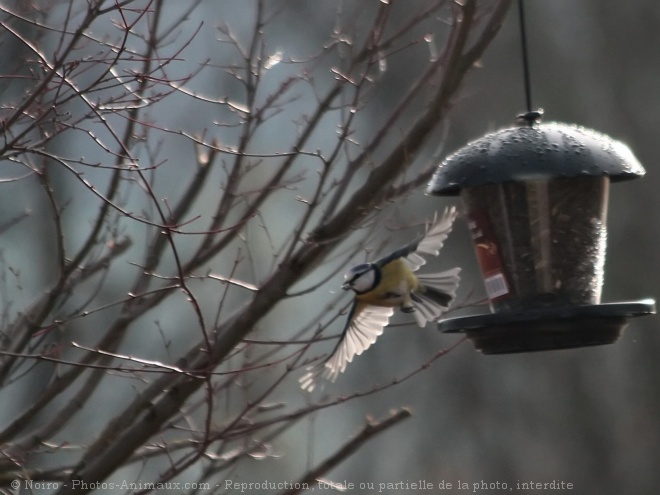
(531, 116)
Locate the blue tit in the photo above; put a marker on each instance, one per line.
(381, 286)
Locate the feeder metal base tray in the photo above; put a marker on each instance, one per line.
(544, 329)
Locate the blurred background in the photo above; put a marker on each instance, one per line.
(589, 416)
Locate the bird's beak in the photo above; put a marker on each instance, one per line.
(346, 286)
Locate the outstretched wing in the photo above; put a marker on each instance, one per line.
(365, 323)
(429, 244)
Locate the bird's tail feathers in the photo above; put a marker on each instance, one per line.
(438, 290)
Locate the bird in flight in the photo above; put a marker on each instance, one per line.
(386, 284)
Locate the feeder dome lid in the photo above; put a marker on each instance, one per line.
(541, 151)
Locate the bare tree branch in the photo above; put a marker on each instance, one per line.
(190, 184)
(371, 429)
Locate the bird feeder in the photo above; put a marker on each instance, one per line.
(536, 201)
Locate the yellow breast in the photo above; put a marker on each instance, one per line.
(396, 283)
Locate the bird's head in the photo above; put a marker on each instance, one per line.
(361, 278)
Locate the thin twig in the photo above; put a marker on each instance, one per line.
(371, 429)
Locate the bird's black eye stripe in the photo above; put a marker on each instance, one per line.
(359, 271)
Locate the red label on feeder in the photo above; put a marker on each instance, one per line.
(488, 255)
